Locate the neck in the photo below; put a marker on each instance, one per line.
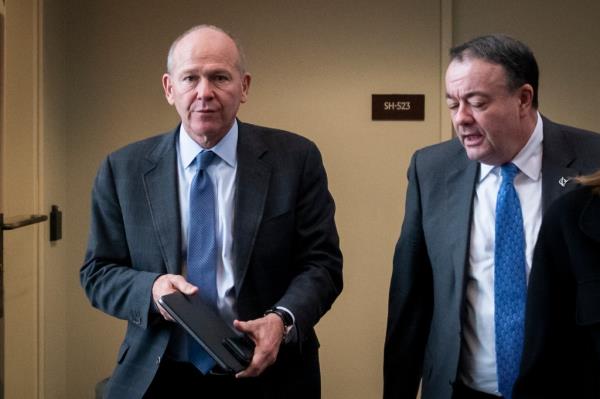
(207, 141)
(529, 122)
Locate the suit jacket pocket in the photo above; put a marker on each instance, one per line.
(276, 217)
(588, 302)
(276, 207)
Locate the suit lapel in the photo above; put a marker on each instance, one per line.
(460, 191)
(253, 175)
(557, 158)
(160, 184)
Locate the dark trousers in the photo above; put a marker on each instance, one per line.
(461, 391)
(183, 380)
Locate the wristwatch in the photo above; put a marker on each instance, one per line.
(286, 317)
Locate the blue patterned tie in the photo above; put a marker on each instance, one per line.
(510, 285)
(202, 249)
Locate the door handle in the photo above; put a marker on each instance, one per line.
(16, 222)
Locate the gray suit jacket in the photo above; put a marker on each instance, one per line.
(286, 250)
(428, 281)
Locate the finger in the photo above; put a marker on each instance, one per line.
(162, 286)
(244, 326)
(181, 284)
(162, 311)
(253, 370)
(165, 315)
(262, 358)
(167, 284)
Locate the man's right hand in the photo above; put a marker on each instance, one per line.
(167, 284)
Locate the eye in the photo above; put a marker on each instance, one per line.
(221, 78)
(452, 105)
(189, 78)
(478, 103)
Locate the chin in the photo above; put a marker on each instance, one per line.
(476, 156)
(203, 129)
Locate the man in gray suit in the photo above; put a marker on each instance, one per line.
(442, 304)
(277, 263)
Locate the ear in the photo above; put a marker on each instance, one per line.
(526, 97)
(246, 79)
(168, 88)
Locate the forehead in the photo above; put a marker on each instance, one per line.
(205, 46)
(474, 75)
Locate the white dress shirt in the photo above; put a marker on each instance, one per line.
(478, 355)
(222, 172)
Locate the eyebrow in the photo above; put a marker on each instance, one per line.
(469, 95)
(200, 71)
(187, 71)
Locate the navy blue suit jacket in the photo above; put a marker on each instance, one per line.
(286, 249)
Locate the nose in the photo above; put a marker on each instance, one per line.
(463, 115)
(204, 90)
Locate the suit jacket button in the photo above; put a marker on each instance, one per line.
(135, 317)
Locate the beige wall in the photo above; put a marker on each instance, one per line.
(563, 36)
(315, 65)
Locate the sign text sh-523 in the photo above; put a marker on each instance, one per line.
(398, 107)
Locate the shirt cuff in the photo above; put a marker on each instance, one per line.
(292, 333)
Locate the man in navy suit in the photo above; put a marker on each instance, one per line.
(441, 327)
(278, 266)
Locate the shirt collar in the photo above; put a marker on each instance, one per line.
(226, 148)
(529, 159)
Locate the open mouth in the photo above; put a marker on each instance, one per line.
(472, 139)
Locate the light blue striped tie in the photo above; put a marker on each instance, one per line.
(510, 285)
(202, 249)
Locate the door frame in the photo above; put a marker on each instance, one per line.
(21, 194)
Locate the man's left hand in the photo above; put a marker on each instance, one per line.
(267, 334)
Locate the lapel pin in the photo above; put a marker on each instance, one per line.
(563, 181)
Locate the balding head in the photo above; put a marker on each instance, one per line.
(241, 60)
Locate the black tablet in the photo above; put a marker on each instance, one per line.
(231, 351)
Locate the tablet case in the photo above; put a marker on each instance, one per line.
(230, 351)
